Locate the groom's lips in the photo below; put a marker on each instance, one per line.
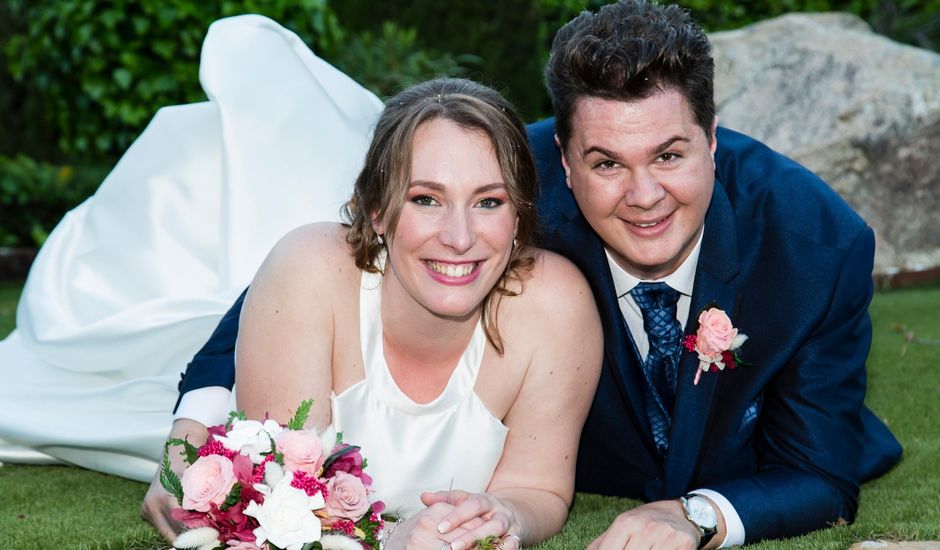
(649, 227)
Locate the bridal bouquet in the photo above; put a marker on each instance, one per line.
(262, 486)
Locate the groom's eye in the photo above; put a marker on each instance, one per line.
(667, 158)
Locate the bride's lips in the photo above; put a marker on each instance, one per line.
(453, 273)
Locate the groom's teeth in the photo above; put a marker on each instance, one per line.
(645, 225)
(452, 270)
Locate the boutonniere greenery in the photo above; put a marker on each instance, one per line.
(716, 341)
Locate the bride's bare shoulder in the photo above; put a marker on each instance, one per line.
(312, 255)
(553, 281)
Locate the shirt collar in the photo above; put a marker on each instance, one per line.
(682, 279)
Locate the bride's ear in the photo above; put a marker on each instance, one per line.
(378, 225)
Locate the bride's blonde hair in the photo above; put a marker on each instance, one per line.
(382, 185)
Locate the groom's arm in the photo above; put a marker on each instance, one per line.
(205, 387)
(811, 431)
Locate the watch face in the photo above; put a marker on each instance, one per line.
(701, 512)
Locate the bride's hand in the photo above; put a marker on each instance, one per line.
(158, 504)
(419, 532)
(157, 507)
(478, 515)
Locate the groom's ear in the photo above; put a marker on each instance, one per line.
(564, 161)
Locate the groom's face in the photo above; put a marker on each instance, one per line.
(642, 173)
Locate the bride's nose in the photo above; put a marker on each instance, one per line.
(457, 231)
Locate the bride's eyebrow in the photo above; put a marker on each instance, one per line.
(435, 186)
(432, 185)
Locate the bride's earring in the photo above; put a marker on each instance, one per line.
(381, 240)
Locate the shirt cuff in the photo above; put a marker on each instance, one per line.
(209, 406)
(734, 529)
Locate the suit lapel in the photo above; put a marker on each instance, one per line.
(564, 230)
(717, 266)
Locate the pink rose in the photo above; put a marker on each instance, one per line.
(207, 481)
(302, 450)
(715, 333)
(346, 497)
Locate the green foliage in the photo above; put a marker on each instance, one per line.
(190, 450)
(300, 416)
(390, 60)
(233, 416)
(168, 478)
(34, 195)
(233, 498)
(503, 35)
(102, 69)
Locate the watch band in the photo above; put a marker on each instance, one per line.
(706, 533)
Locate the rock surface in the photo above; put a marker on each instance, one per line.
(858, 109)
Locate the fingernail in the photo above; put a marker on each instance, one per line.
(457, 545)
(443, 527)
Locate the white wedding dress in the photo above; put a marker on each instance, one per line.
(132, 282)
(452, 442)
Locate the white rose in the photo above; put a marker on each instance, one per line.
(286, 518)
(251, 438)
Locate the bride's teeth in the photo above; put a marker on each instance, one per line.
(452, 270)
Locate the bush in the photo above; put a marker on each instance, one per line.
(34, 195)
(390, 60)
(101, 69)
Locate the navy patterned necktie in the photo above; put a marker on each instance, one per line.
(657, 302)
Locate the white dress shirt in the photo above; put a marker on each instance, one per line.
(682, 280)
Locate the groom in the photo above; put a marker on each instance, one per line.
(684, 229)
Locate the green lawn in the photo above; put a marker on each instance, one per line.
(59, 507)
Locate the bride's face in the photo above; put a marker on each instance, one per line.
(455, 230)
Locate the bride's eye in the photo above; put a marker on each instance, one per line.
(423, 200)
(490, 203)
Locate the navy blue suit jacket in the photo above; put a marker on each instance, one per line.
(786, 440)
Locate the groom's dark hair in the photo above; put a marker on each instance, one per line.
(629, 51)
(382, 185)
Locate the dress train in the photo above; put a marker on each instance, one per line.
(131, 282)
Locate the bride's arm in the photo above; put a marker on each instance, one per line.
(533, 485)
(285, 335)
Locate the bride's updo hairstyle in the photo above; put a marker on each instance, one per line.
(382, 186)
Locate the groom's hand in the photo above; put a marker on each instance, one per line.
(158, 504)
(660, 524)
(475, 516)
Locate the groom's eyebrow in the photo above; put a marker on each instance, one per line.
(653, 151)
(662, 147)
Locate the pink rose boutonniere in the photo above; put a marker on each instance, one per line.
(716, 342)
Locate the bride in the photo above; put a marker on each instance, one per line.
(429, 331)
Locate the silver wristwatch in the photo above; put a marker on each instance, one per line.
(701, 513)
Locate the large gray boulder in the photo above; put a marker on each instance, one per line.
(858, 109)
